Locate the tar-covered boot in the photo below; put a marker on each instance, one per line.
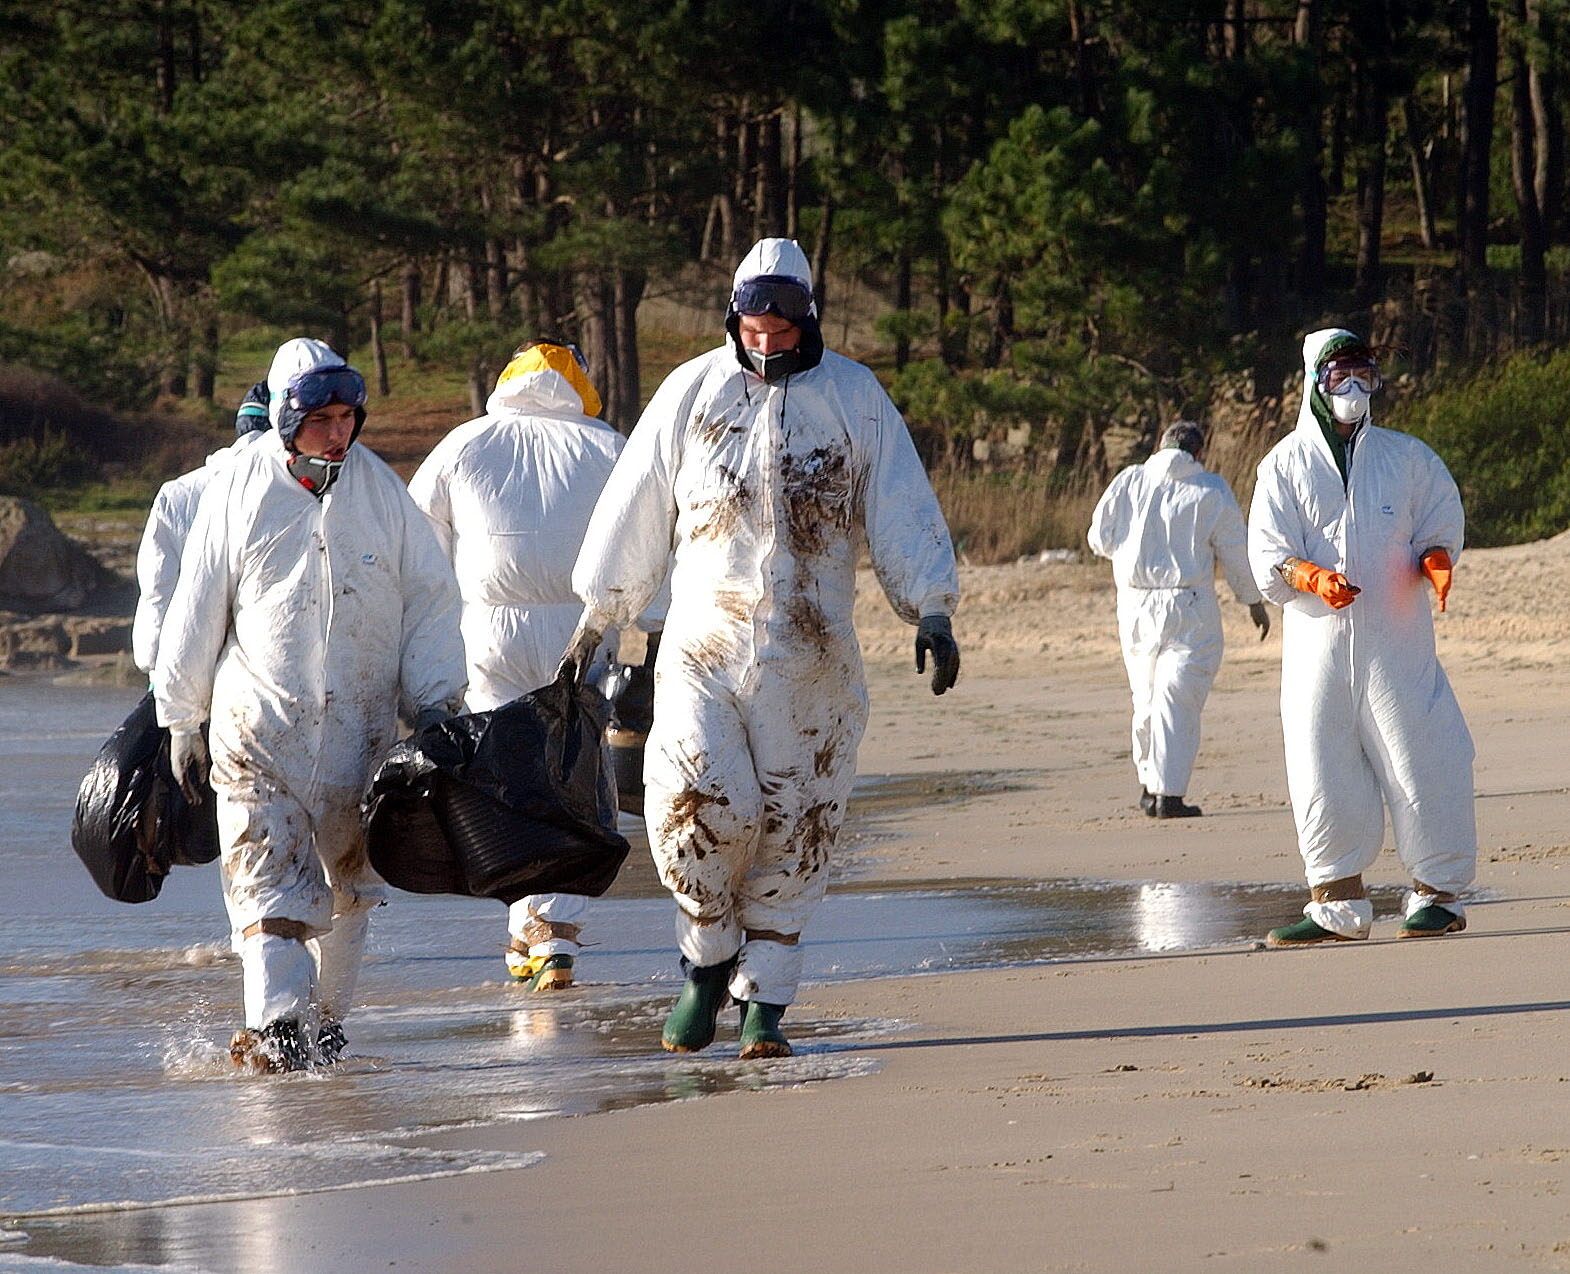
(690, 1024)
(277, 1048)
(1174, 807)
(760, 1031)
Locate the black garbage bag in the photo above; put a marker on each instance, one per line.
(500, 804)
(132, 822)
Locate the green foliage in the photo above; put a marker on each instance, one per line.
(1505, 434)
(29, 465)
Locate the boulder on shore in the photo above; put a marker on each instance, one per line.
(41, 569)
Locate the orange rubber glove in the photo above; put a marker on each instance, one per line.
(1331, 587)
(1438, 568)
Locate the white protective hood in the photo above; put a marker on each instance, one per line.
(302, 354)
(775, 256)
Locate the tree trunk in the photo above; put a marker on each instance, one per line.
(1084, 74)
(1523, 176)
(902, 307)
(1417, 146)
(496, 278)
(1308, 36)
(820, 255)
(1478, 135)
(1237, 30)
(594, 309)
(793, 176)
(477, 385)
(378, 348)
(1002, 322)
(768, 201)
(204, 358)
(1549, 144)
(628, 292)
(741, 190)
(1373, 128)
(472, 282)
(410, 288)
(1336, 182)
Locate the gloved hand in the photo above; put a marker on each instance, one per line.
(1331, 587)
(1260, 614)
(1437, 566)
(936, 634)
(427, 717)
(575, 660)
(189, 762)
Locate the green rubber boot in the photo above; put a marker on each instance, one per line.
(760, 1031)
(1305, 933)
(1432, 921)
(690, 1024)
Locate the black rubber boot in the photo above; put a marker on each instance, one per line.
(1173, 807)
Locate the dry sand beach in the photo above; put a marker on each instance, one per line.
(1377, 1105)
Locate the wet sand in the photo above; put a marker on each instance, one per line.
(1372, 1104)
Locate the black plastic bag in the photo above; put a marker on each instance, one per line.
(500, 804)
(132, 821)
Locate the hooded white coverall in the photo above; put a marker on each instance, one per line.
(509, 496)
(163, 540)
(1164, 523)
(1368, 716)
(764, 492)
(296, 625)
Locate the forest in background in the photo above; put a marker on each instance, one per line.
(1079, 219)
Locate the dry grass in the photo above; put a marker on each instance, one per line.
(1001, 517)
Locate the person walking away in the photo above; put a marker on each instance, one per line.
(509, 495)
(1165, 523)
(313, 599)
(1350, 527)
(765, 464)
(169, 523)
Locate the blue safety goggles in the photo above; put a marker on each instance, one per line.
(319, 386)
(780, 294)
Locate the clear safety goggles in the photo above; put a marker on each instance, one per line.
(320, 386)
(1338, 371)
(773, 294)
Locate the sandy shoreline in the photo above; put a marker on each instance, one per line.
(1368, 1103)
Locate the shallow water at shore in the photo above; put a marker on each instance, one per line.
(117, 1093)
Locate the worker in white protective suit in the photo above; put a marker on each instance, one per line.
(509, 496)
(169, 522)
(1350, 527)
(764, 464)
(1164, 524)
(312, 599)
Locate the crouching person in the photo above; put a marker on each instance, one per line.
(313, 602)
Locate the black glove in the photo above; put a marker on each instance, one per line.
(1261, 617)
(575, 660)
(935, 634)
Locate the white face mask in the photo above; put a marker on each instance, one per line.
(1349, 404)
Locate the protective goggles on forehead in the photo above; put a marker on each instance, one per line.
(323, 385)
(780, 294)
(1338, 371)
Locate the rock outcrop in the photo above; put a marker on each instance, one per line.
(41, 569)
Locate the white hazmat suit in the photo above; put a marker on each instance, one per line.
(296, 625)
(1164, 524)
(765, 492)
(1368, 717)
(509, 496)
(163, 541)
